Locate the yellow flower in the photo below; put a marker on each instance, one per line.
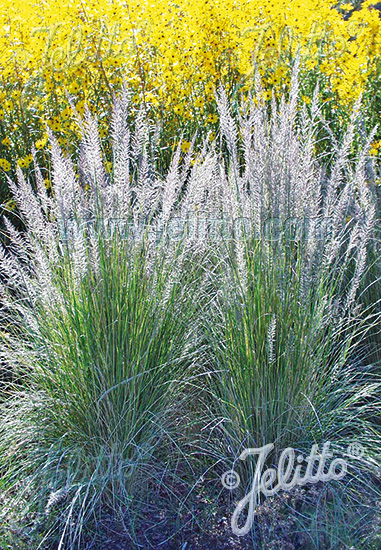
(152, 99)
(185, 146)
(49, 86)
(10, 205)
(212, 118)
(80, 107)
(116, 61)
(74, 88)
(66, 113)
(40, 144)
(21, 162)
(2, 114)
(267, 95)
(108, 166)
(25, 162)
(5, 165)
(6, 142)
(54, 124)
(209, 89)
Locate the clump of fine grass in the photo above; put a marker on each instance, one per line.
(103, 339)
(123, 309)
(100, 386)
(292, 309)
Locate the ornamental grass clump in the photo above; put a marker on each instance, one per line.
(100, 334)
(291, 281)
(291, 313)
(233, 290)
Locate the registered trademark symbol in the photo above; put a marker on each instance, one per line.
(355, 450)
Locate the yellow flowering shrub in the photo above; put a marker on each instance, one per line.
(172, 55)
(5, 165)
